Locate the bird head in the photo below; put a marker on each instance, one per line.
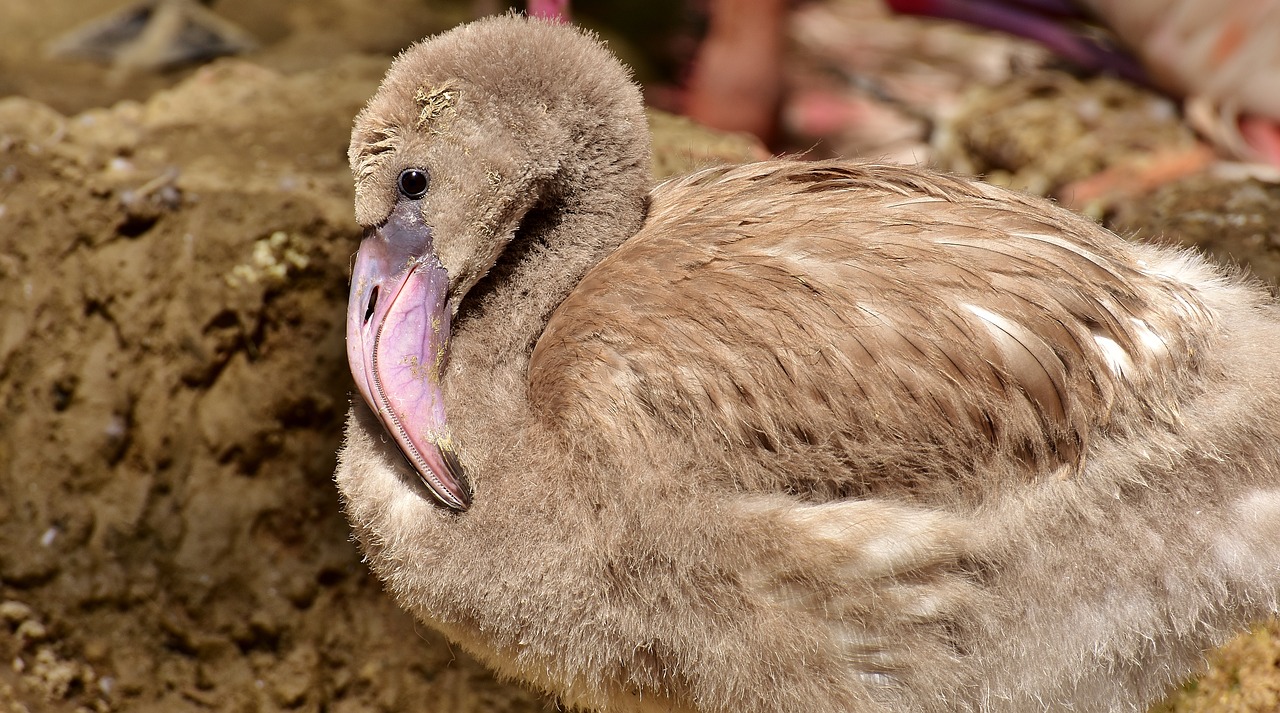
(467, 133)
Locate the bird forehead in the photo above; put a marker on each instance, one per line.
(437, 106)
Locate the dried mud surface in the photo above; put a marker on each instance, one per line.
(173, 260)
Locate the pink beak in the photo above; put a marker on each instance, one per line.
(397, 345)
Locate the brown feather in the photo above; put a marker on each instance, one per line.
(961, 318)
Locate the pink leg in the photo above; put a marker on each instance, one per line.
(737, 77)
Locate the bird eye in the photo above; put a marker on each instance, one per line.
(413, 183)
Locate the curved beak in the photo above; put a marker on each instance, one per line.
(397, 344)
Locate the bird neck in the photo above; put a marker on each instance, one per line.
(559, 240)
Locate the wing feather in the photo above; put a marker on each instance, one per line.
(870, 329)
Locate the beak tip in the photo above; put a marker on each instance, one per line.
(461, 492)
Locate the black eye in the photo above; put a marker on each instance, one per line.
(413, 183)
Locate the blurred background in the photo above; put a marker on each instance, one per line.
(175, 237)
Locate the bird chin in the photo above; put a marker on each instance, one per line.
(397, 343)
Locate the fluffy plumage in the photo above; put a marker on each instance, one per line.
(802, 437)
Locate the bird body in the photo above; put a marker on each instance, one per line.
(785, 436)
(1225, 52)
(1221, 56)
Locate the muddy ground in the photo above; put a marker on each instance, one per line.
(173, 260)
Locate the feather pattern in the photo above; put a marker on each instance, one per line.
(937, 313)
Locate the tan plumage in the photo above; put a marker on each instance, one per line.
(956, 321)
(801, 437)
(1224, 52)
(1221, 55)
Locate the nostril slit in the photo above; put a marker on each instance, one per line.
(373, 303)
